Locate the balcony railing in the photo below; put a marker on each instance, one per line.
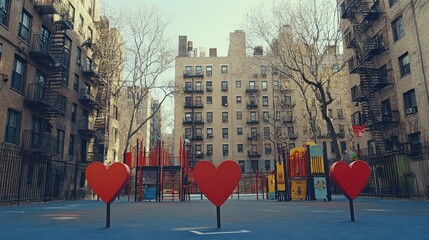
(88, 99)
(85, 128)
(193, 105)
(36, 141)
(187, 121)
(193, 74)
(292, 135)
(252, 121)
(252, 137)
(288, 119)
(90, 69)
(252, 90)
(253, 153)
(252, 105)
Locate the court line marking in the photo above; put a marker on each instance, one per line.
(214, 233)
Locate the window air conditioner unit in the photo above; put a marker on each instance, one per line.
(411, 110)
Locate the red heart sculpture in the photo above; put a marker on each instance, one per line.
(351, 179)
(217, 184)
(107, 181)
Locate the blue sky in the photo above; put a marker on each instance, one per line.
(206, 23)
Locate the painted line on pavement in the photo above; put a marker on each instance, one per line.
(214, 233)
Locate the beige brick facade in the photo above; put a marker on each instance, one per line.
(231, 107)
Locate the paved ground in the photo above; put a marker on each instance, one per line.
(241, 219)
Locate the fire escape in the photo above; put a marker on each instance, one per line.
(192, 104)
(45, 95)
(368, 44)
(252, 91)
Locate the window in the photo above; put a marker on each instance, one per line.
(240, 148)
(224, 117)
(71, 11)
(90, 34)
(224, 69)
(188, 70)
(265, 101)
(239, 115)
(224, 86)
(60, 142)
(276, 85)
(268, 148)
(188, 86)
(71, 145)
(225, 149)
(277, 115)
(199, 133)
(62, 105)
(198, 86)
(18, 74)
(252, 85)
(188, 117)
(209, 132)
(80, 29)
(209, 116)
(198, 116)
(238, 99)
(66, 78)
(4, 12)
(73, 113)
(224, 132)
(66, 51)
(24, 26)
(267, 165)
(253, 116)
(410, 103)
(343, 147)
(209, 86)
(115, 112)
(13, 125)
(188, 132)
(209, 100)
(404, 64)
(242, 165)
(265, 116)
(198, 101)
(264, 85)
(254, 132)
(224, 101)
(254, 165)
(198, 70)
(209, 70)
(209, 149)
(238, 84)
(391, 2)
(386, 110)
(415, 143)
(398, 28)
(76, 83)
(239, 131)
(264, 71)
(266, 131)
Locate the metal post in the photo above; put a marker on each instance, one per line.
(352, 210)
(137, 166)
(218, 216)
(107, 215)
(158, 179)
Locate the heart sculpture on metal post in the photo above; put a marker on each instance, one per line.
(351, 179)
(217, 184)
(107, 181)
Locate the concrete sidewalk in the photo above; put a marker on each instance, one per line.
(241, 219)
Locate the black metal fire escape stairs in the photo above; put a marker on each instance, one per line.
(52, 51)
(100, 127)
(362, 17)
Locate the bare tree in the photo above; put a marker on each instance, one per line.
(149, 55)
(303, 42)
